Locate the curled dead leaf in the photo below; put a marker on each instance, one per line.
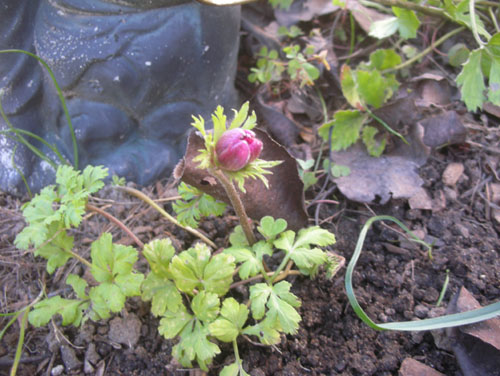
(284, 198)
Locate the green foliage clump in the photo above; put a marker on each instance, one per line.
(195, 204)
(297, 65)
(205, 279)
(56, 209)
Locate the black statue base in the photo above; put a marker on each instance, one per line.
(132, 72)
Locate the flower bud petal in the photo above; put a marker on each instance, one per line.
(236, 148)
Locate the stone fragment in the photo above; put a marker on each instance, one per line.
(125, 330)
(452, 173)
(420, 200)
(57, 370)
(412, 367)
(69, 358)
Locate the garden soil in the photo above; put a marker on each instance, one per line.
(395, 280)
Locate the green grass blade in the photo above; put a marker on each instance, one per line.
(61, 98)
(20, 342)
(446, 321)
(19, 137)
(11, 321)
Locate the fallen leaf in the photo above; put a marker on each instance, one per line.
(284, 198)
(433, 91)
(443, 129)
(492, 109)
(304, 10)
(376, 179)
(476, 346)
(364, 16)
(272, 115)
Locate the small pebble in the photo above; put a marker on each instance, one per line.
(452, 173)
(421, 311)
(57, 370)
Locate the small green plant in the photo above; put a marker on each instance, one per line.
(207, 313)
(479, 64)
(189, 290)
(371, 84)
(298, 66)
(194, 204)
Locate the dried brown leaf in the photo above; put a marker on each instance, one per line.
(284, 198)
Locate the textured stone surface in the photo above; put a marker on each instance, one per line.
(132, 72)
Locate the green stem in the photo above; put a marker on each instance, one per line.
(238, 207)
(443, 290)
(20, 343)
(80, 258)
(22, 329)
(14, 165)
(424, 52)
(472, 11)
(425, 9)
(282, 266)
(280, 277)
(154, 205)
(117, 222)
(32, 135)
(22, 140)
(386, 126)
(325, 120)
(237, 354)
(353, 36)
(494, 19)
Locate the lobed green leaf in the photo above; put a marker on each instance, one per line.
(162, 293)
(471, 82)
(194, 345)
(205, 306)
(70, 310)
(270, 228)
(159, 253)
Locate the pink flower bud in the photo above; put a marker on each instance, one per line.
(236, 148)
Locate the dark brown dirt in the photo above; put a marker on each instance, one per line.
(394, 281)
(394, 284)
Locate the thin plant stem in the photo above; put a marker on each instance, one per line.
(154, 205)
(22, 329)
(282, 266)
(238, 207)
(236, 354)
(443, 290)
(61, 98)
(20, 342)
(14, 165)
(117, 222)
(472, 12)
(280, 277)
(21, 139)
(425, 9)
(353, 36)
(386, 126)
(494, 19)
(36, 137)
(80, 258)
(429, 49)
